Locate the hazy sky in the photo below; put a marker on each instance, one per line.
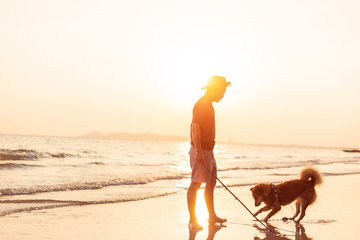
(70, 67)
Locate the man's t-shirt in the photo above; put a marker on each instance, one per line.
(203, 114)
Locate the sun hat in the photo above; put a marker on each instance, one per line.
(217, 82)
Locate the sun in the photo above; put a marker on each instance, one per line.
(185, 71)
(184, 67)
(181, 79)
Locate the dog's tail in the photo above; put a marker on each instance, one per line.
(312, 175)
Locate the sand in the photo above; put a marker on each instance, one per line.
(333, 216)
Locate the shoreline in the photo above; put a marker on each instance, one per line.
(333, 216)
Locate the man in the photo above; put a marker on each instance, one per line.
(202, 159)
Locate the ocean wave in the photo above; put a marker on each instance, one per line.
(30, 154)
(86, 186)
(243, 168)
(96, 163)
(282, 165)
(51, 203)
(280, 174)
(18, 154)
(17, 165)
(149, 164)
(27, 205)
(340, 173)
(253, 183)
(241, 157)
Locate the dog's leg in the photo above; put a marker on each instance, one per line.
(297, 204)
(303, 209)
(274, 210)
(266, 208)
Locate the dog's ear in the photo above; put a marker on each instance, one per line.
(252, 189)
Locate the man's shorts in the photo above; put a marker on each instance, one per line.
(199, 172)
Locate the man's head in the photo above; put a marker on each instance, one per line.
(216, 88)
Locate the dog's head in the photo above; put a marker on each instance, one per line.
(257, 194)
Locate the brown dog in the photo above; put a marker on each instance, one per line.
(274, 196)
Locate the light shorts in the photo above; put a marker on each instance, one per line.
(199, 173)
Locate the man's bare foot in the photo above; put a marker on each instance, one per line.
(216, 219)
(194, 225)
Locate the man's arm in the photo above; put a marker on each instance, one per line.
(196, 137)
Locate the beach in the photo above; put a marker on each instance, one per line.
(102, 102)
(333, 216)
(80, 188)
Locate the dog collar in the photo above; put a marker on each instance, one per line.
(273, 187)
(276, 192)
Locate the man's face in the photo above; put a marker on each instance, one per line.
(219, 94)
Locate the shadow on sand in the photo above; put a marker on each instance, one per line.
(299, 233)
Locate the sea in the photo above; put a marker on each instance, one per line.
(40, 172)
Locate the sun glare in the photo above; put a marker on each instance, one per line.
(200, 209)
(181, 86)
(186, 67)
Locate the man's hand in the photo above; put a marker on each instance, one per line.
(196, 137)
(199, 156)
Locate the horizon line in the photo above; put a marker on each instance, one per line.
(168, 135)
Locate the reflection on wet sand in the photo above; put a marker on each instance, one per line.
(213, 229)
(299, 233)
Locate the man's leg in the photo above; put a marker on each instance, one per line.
(209, 199)
(191, 201)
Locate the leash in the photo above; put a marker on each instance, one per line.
(267, 228)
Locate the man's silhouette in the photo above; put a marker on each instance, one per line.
(202, 159)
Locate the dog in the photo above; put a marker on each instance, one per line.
(274, 196)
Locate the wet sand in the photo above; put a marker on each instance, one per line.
(333, 216)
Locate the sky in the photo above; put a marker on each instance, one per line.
(74, 66)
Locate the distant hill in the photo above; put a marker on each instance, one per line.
(134, 136)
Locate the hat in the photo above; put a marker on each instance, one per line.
(216, 82)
